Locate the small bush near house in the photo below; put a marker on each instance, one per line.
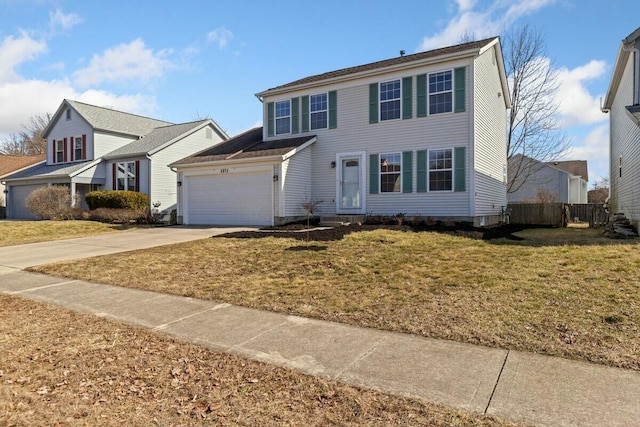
(52, 202)
(116, 199)
(118, 216)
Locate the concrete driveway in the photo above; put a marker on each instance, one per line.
(29, 255)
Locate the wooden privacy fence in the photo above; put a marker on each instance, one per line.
(556, 214)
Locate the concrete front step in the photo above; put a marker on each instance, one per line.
(339, 220)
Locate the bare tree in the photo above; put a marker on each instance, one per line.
(29, 140)
(533, 125)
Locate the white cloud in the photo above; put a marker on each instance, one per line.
(481, 23)
(133, 61)
(220, 36)
(58, 19)
(595, 149)
(15, 51)
(576, 105)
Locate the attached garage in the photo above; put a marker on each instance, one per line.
(16, 201)
(241, 198)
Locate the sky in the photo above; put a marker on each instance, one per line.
(182, 61)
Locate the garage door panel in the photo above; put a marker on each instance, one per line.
(16, 204)
(233, 199)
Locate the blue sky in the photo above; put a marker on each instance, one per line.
(180, 61)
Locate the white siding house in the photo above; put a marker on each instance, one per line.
(423, 135)
(93, 148)
(623, 104)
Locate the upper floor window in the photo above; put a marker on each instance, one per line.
(283, 117)
(390, 100)
(77, 148)
(59, 154)
(318, 110)
(440, 92)
(441, 170)
(390, 173)
(68, 113)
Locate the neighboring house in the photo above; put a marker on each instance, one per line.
(422, 134)
(93, 148)
(564, 181)
(12, 164)
(623, 104)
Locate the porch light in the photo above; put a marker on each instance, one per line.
(275, 178)
(179, 183)
(333, 165)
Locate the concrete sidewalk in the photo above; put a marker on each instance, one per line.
(521, 387)
(29, 255)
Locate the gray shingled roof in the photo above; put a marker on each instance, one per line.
(247, 145)
(116, 121)
(42, 170)
(155, 139)
(387, 63)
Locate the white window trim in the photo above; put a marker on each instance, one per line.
(125, 166)
(429, 93)
(275, 117)
(380, 173)
(73, 147)
(380, 101)
(326, 110)
(452, 169)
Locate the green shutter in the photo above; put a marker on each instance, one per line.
(422, 171)
(270, 123)
(459, 80)
(374, 165)
(407, 101)
(333, 109)
(295, 115)
(459, 176)
(305, 113)
(421, 89)
(407, 171)
(373, 103)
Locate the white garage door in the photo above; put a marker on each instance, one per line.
(16, 207)
(229, 199)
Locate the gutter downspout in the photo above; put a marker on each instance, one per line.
(636, 81)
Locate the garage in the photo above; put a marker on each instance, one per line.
(16, 208)
(229, 198)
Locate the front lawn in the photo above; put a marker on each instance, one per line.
(80, 370)
(563, 292)
(21, 232)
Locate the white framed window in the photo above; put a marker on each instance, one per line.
(391, 173)
(68, 113)
(126, 178)
(283, 117)
(390, 104)
(318, 111)
(77, 148)
(440, 167)
(441, 92)
(59, 154)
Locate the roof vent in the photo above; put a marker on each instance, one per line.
(402, 52)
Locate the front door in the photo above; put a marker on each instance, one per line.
(350, 183)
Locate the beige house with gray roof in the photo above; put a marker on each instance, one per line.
(94, 148)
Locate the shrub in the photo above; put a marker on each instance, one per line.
(52, 202)
(117, 199)
(118, 216)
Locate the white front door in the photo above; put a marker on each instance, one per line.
(350, 183)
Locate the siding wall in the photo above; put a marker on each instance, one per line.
(296, 184)
(105, 143)
(548, 179)
(490, 123)
(163, 179)
(354, 133)
(64, 128)
(625, 142)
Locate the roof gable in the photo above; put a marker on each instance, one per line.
(100, 118)
(618, 68)
(470, 48)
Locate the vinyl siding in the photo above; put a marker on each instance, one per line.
(625, 139)
(106, 142)
(163, 179)
(296, 172)
(64, 128)
(547, 179)
(490, 128)
(354, 133)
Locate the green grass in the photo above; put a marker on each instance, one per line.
(564, 292)
(21, 232)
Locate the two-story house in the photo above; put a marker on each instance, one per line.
(421, 134)
(93, 148)
(623, 104)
